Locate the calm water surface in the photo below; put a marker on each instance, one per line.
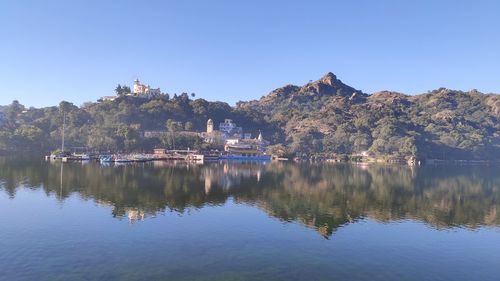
(233, 221)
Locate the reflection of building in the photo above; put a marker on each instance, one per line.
(230, 176)
(209, 177)
(135, 215)
(142, 90)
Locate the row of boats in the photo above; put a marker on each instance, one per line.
(122, 158)
(126, 158)
(144, 157)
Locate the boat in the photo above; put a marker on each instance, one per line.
(195, 158)
(122, 159)
(58, 156)
(61, 155)
(138, 158)
(211, 156)
(244, 152)
(80, 157)
(106, 158)
(246, 157)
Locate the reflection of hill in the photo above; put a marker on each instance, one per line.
(326, 196)
(323, 197)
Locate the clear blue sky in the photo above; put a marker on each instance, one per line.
(239, 50)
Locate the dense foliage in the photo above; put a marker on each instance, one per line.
(329, 117)
(119, 125)
(324, 117)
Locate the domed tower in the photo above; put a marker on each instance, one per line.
(210, 126)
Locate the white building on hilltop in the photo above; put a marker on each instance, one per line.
(142, 90)
(139, 91)
(229, 128)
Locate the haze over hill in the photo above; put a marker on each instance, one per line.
(323, 117)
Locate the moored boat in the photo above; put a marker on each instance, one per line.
(244, 152)
(211, 156)
(106, 158)
(122, 159)
(246, 157)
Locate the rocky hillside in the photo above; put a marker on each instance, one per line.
(326, 116)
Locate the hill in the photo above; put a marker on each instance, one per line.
(324, 117)
(330, 117)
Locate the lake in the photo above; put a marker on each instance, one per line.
(247, 221)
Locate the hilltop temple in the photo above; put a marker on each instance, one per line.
(144, 90)
(139, 90)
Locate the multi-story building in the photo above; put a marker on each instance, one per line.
(233, 139)
(139, 90)
(246, 149)
(229, 128)
(142, 90)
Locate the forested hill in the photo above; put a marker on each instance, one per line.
(119, 125)
(323, 117)
(328, 116)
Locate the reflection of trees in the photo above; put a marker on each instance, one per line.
(327, 196)
(323, 197)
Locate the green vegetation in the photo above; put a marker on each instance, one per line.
(328, 118)
(119, 125)
(325, 118)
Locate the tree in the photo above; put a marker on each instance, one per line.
(66, 107)
(173, 126)
(29, 136)
(188, 126)
(119, 90)
(128, 135)
(277, 149)
(5, 140)
(13, 110)
(101, 139)
(126, 90)
(122, 90)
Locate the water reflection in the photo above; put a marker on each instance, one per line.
(323, 197)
